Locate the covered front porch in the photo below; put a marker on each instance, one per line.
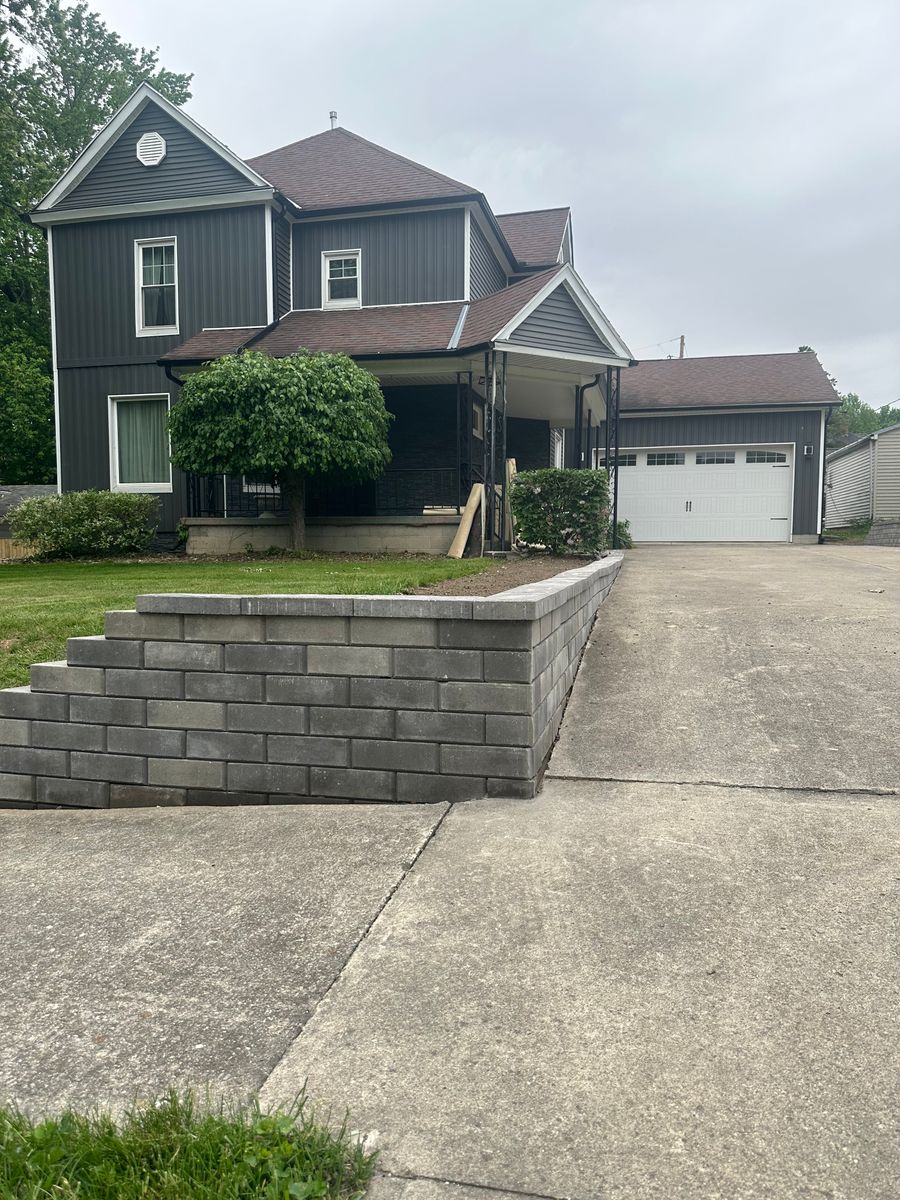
(457, 422)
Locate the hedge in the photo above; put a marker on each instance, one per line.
(86, 524)
(566, 512)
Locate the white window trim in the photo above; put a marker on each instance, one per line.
(478, 420)
(114, 484)
(327, 256)
(153, 330)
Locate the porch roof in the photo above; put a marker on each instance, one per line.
(390, 330)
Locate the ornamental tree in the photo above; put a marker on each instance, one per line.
(291, 419)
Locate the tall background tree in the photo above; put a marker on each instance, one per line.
(855, 418)
(63, 74)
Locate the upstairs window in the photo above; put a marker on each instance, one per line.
(341, 279)
(156, 287)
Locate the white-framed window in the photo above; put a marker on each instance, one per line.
(156, 286)
(709, 458)
(766, 456)
(665, 458)
(477, 420)
(341, 278)
(139, 443)
(259, 486)
(557, 448)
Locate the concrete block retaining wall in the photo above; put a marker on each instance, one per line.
(430, 533)
(204, 699)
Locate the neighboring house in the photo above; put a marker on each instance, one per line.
(166, 250)
(725, 449)
(862, 480)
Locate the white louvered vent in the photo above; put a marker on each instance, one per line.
(151, 149)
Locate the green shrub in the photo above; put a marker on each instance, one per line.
(623, 538)
(566, 512)
(86, 524)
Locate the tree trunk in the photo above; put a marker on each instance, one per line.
(294, 491)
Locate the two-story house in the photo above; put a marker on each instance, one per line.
(166, 250)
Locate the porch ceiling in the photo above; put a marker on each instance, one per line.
(538, 388)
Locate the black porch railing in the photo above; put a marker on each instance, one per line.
(398, 492)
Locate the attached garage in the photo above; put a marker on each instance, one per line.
(724, 449)
(708, 494)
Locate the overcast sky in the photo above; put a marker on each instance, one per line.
(733, 166)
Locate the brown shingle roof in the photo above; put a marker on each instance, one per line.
(364, 332)
(339, 169)
(726, 381)
(535, 237)
(487, 316)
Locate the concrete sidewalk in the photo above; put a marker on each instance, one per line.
(668, 989)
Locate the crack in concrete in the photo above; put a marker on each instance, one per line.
(405, 871)
(851, 790)
(468, 1183)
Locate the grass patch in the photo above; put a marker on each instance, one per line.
(853, 533)
(174, 1150)
(41, 604)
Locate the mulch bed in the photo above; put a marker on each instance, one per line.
(509, 572)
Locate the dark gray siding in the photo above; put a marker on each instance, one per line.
(559, 324)
(189, 169)
(486, 275)
(705, 429)
(411, 258)
(528, 442)
(281, 251)
(84, 428)
(221, 281)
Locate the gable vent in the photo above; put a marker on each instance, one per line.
(151, 149)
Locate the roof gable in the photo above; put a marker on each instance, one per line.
(340, 169)
(196, 163)
(745, 380)
(559, 324)
(189, 168)
(536, 237)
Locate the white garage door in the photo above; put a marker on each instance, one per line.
(707, 493)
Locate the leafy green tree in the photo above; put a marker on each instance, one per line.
(26, 417)
(63, 74)
(855, 418)
(291, 419)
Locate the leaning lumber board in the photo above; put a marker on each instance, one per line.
(474, 502)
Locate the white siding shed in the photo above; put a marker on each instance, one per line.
(862, 480)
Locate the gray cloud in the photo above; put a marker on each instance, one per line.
(733, 169)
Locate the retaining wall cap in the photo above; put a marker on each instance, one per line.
(529, 602)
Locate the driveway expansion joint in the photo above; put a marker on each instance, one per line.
(405, 869)
(851, 790)
(493, 1188)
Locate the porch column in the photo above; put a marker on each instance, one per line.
(612, 417)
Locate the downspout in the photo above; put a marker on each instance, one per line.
(828, 416)
(579, 415)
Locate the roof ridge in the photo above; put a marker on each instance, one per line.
(752, 354)
(373, 145)
(525, 212)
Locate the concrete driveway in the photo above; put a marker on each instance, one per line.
(674, 974)
(767, 666)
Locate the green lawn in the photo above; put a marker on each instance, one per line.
(172, 1150)
(852, 533)
(41, 604)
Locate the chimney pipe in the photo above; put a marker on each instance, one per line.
(332, 116)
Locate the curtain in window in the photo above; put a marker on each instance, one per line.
(142, 440)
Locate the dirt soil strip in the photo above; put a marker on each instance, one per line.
(508, 573)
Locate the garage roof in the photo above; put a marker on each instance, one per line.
(727, 381)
